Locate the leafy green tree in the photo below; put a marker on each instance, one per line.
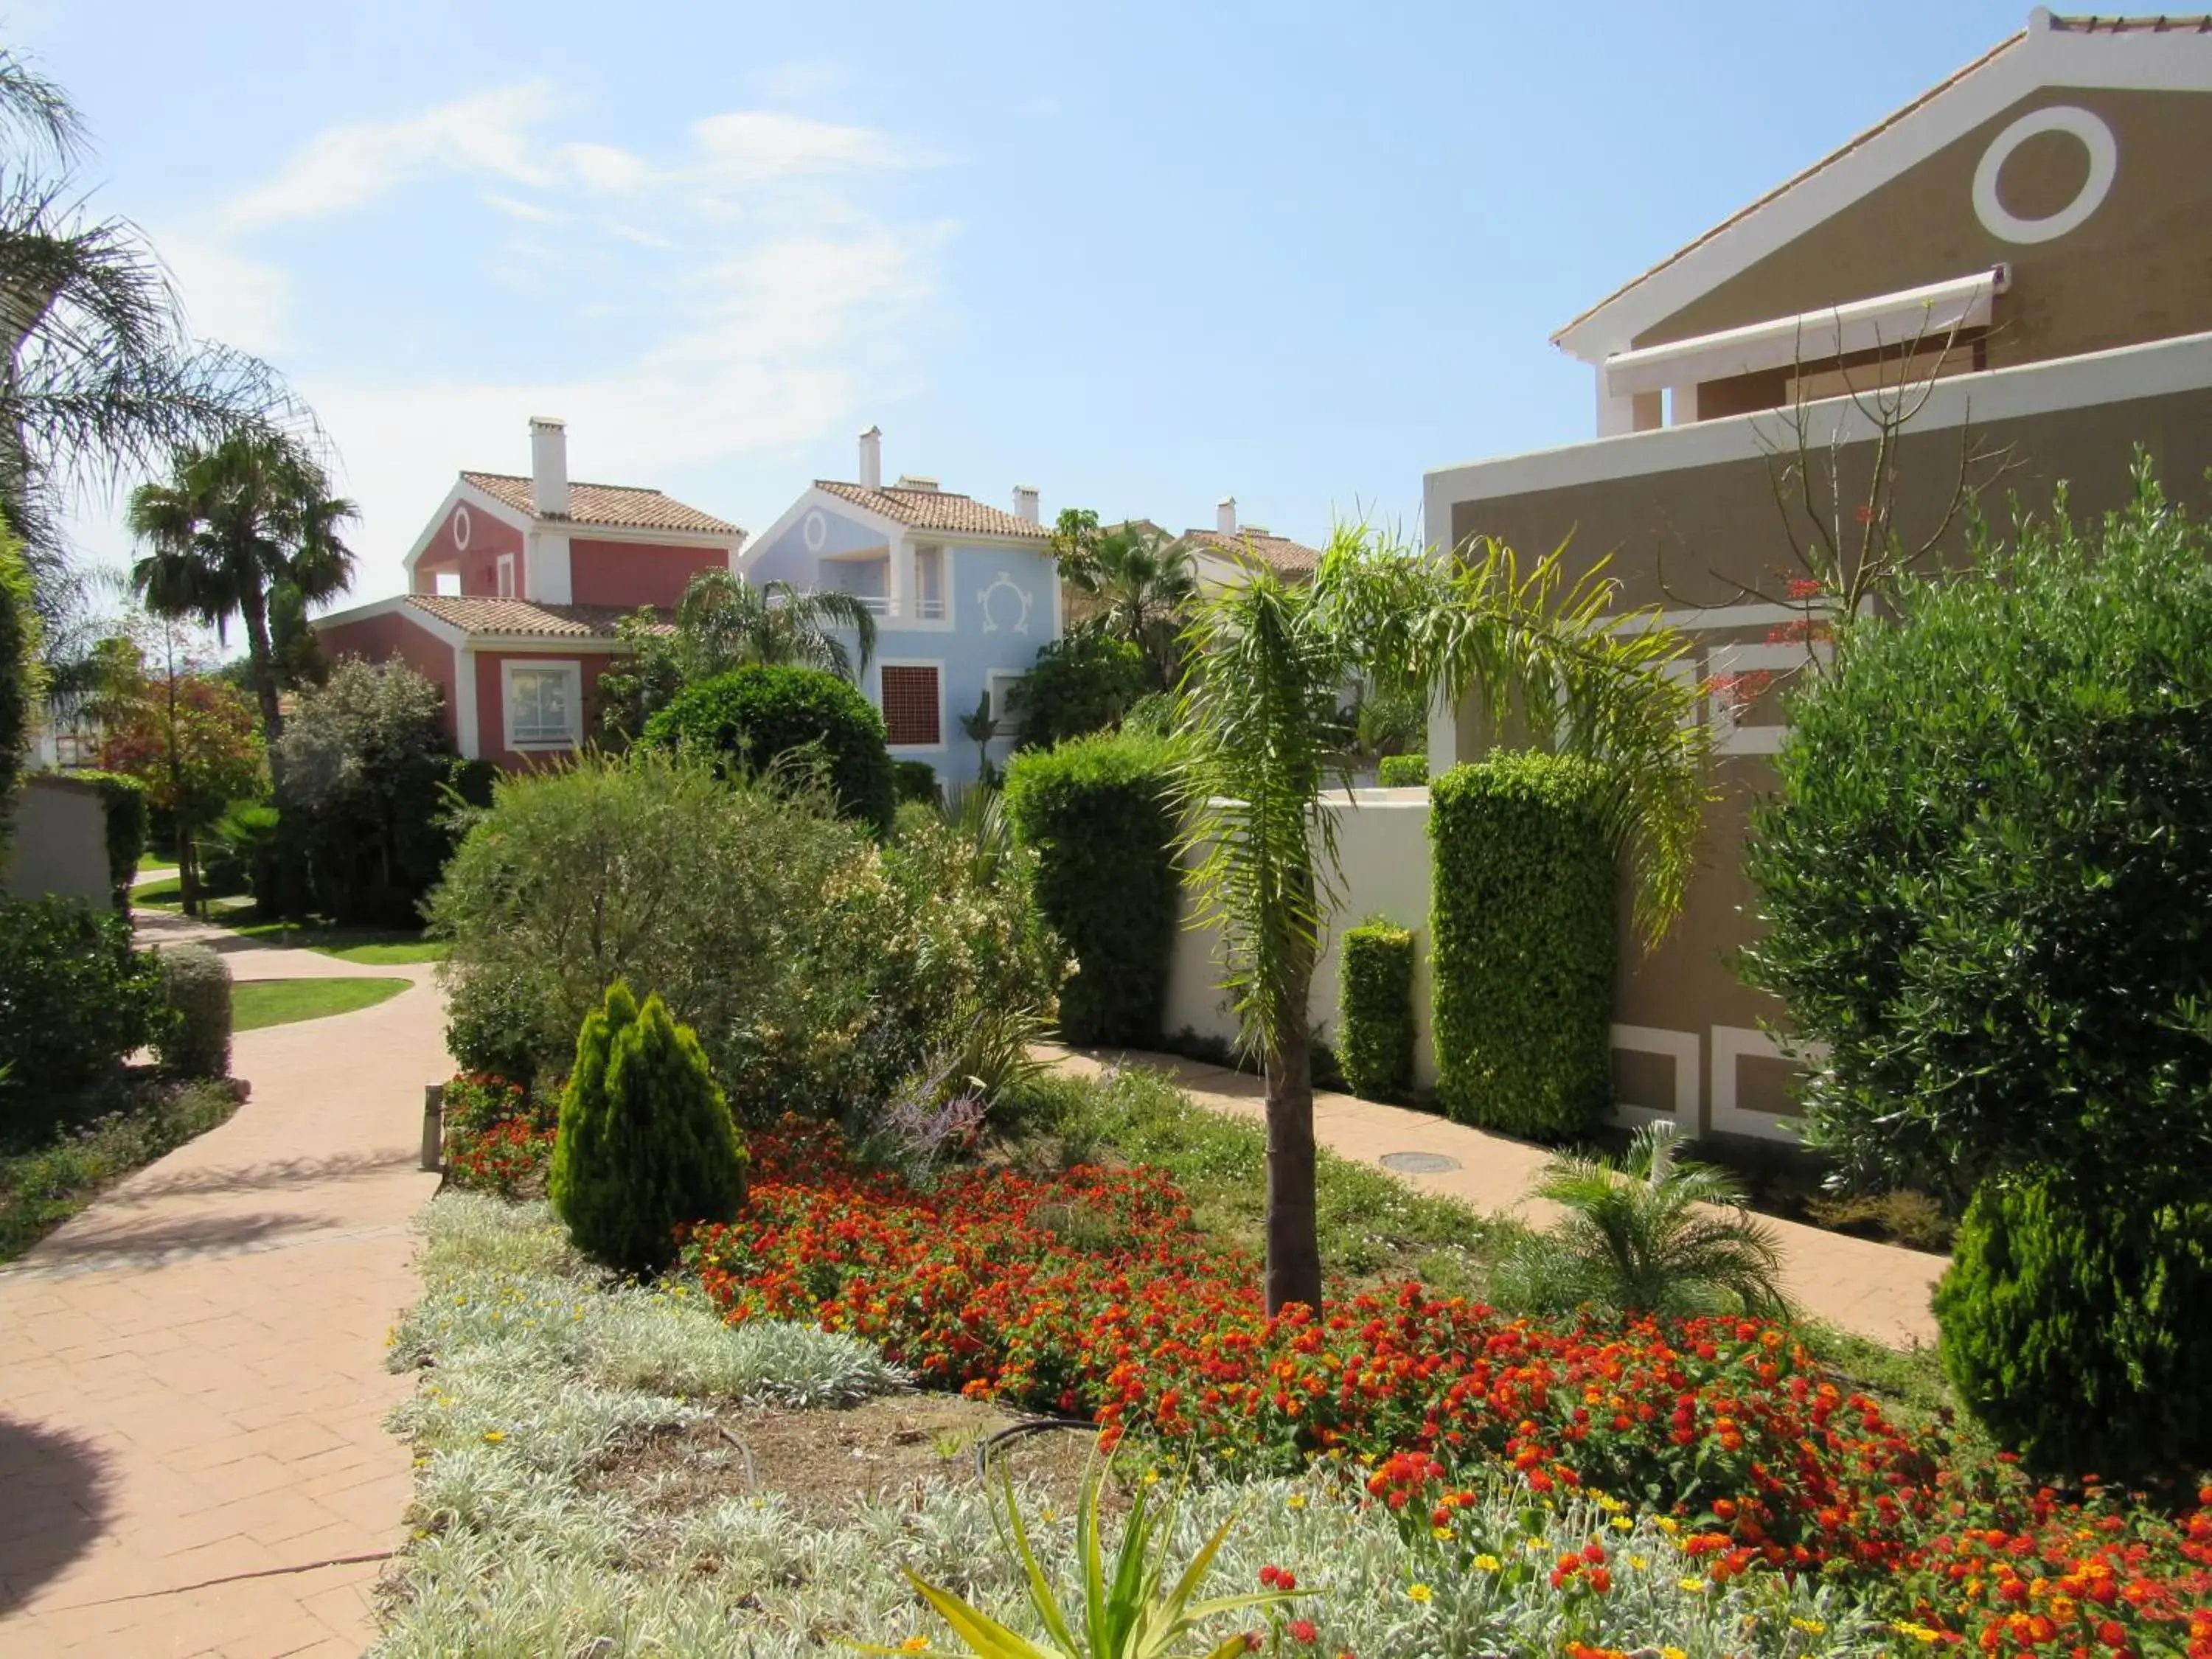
(1987, 876)
(1140, 582)
(980, 726)
(1648, 1234)
(1080, 683)
(243, 529)
(763, 718)
(646, 1140)
(723, 622)
(1258, 720)
(20, 675)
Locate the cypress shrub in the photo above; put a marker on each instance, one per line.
(122, 806)
(646, 1140)
(1402, 771)
(2075, 1328)
(757, 716)
(196, 984)
(1098, 812)
(1522, 927)
(1374, 1010)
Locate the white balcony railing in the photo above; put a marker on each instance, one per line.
(929, 610)
(874, 604)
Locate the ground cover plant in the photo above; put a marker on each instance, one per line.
(255, 1003)
(53, 1165)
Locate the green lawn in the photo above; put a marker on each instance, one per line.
(255, 1003)
(371, 947)
(150, 861)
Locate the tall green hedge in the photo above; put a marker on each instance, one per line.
(758, 715)
(1522, 927)
(2074, 1323)
(1098, 813)
(1374, 1010)
(122, 806)
(1402, 771)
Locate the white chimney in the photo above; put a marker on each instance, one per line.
(872, 458)
(1025, 503)
(549, 467)
(1224, 515)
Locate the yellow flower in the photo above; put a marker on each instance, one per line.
(1487, 1563)
(1673, 1653)
(495, 1435)
(1919, 1633)
(914, 1645)
(1810, 1626)
(1692, 1586)
(1638, 1563)
(1297, 1500)
(1152, 1477)
(1419, 1592)
(1442, 1535)
(1609, 1504)
(1668, 1524)
(1622, 1523)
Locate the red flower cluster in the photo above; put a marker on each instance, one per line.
(497, 1140)
(1091, 1291)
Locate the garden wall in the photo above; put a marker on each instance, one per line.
(1383, 841)
(60, 845)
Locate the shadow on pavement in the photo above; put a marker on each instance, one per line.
(57, 1507)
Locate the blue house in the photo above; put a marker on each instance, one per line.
(964, 594)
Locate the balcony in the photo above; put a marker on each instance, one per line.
(930, 610)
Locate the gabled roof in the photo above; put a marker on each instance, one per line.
(934, 509)
(1285, 556)
(522, 617)
(618, 507)
(2052, 50)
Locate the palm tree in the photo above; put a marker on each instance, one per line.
(240, 526)
(1646, 1235)
(724, 622)
(97, 373)
(1257, 713)
(1142, 582)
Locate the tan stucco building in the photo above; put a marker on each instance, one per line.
(2021, 259)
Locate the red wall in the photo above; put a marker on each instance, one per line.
(491, 702)
(396, 634)
(630, 573)
(479, 563)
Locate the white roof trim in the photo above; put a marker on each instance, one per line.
(1932, 312)
(483, 500)
(436, 627)
(2140, 58)
(2123, 374)
(813, 496)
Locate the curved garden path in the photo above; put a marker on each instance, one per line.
(191, 1380)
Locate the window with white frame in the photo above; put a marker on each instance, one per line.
(542, 703)
(1000, 683)
(506, 576)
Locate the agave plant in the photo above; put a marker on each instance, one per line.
(1127, 1612)
(1648, 1233)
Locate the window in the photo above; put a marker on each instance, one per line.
(910, 710)
(1001, 684)
(506, 576)
(542, 701)
(929, 584)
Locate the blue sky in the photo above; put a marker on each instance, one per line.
(1140, 256)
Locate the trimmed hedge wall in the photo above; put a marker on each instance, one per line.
(759, 713)
(123, 803)
(1402, 771)
(1523, 932)
(1098, 811)
(1374, 1010)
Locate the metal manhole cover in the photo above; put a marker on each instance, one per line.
(1419, 1163)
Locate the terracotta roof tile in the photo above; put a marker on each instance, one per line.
(486, 616)
(935, 509)
(1791, 184)
(1286, 557)
(617, 506)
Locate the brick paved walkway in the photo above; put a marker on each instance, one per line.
(192, 1382)
(1875, 1290)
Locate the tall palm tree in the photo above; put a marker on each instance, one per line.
(1646, 1234)
(1141, 581)
(98, 375)
(246, 522)
(1257, 714)
(724, 622)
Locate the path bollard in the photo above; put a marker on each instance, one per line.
(434, 1136)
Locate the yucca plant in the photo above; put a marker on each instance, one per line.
(1125, 1611)
(1647, 1233)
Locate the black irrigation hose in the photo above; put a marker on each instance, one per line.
(1035, 1426)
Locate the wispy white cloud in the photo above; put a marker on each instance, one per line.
(229, 296)
(802, 81)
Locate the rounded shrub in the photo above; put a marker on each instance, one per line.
(2075, 1325)
(1374, 1010)
(645, 1142)
(1098, 812)
(759, 717)
(196, 986)
(915, 783)
(1402, 771)
(1081, 682)
(75, 998)
(490, 1020)
(1523, 930)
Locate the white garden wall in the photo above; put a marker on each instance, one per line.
(60, 845)
(1383, 844)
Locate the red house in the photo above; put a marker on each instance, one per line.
(514, 592)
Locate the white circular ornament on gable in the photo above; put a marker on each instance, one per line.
(815, 530)
(461, 527)
(2104, 162)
